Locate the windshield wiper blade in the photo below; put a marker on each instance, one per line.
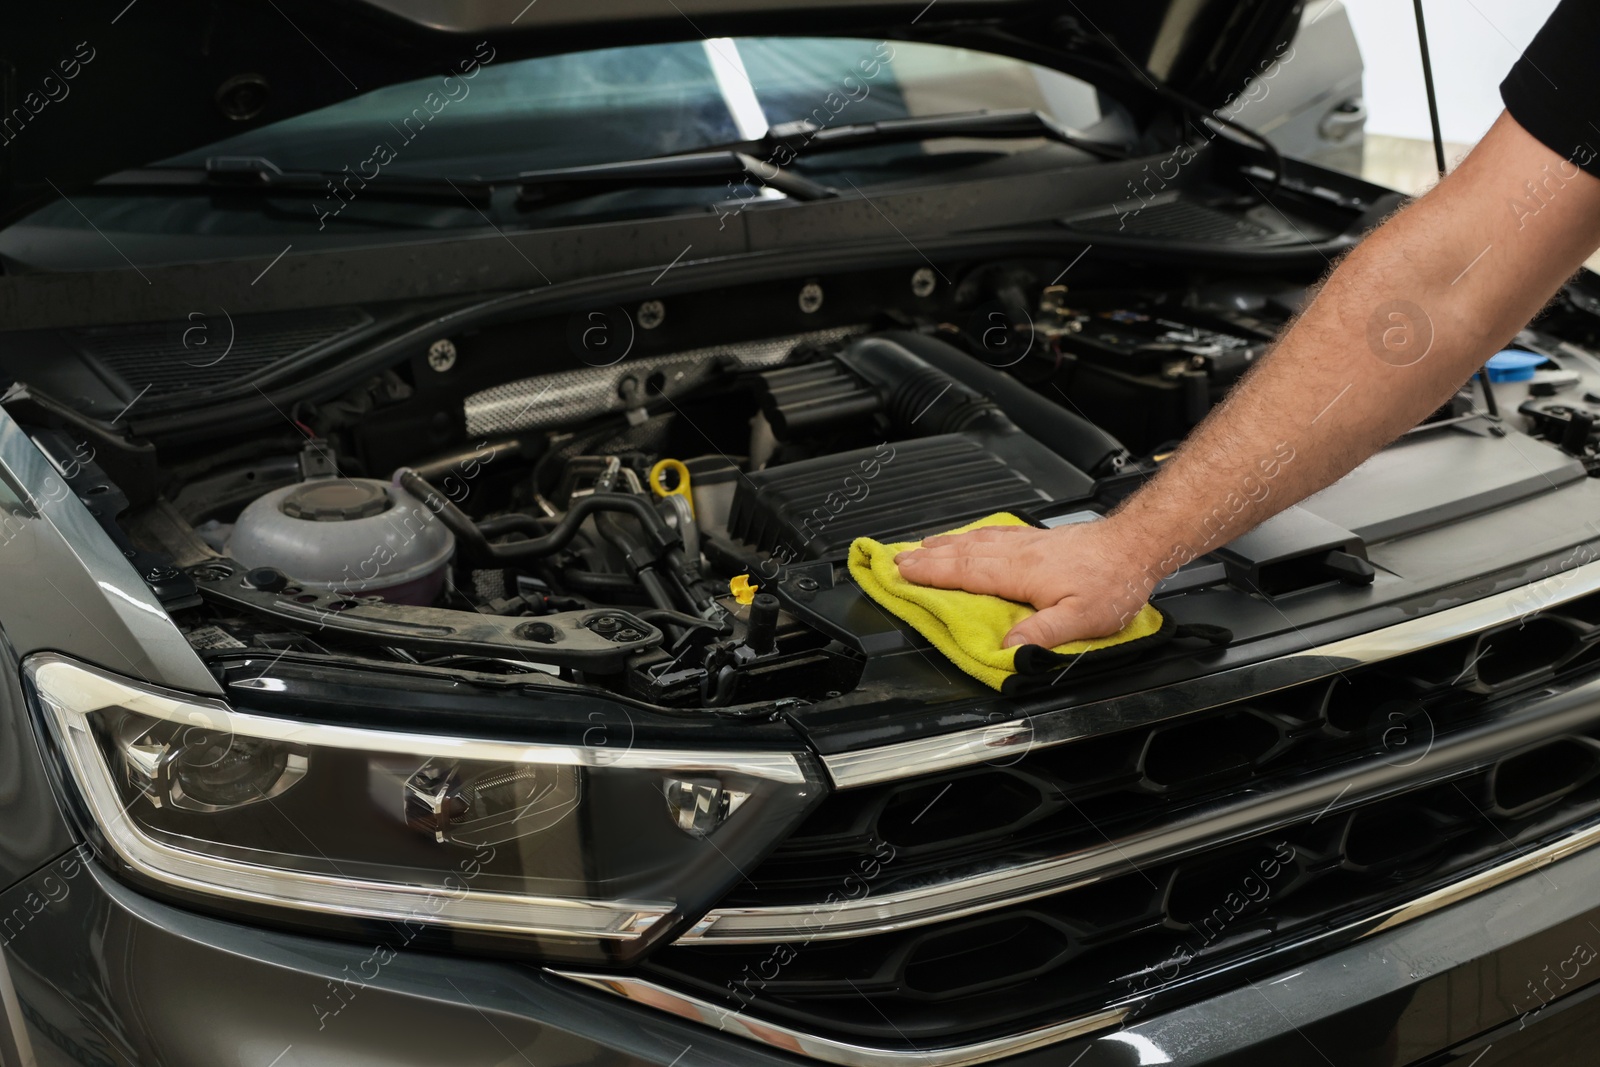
(681, 169)
(756, 158)
(743, 160)
(804, 136)
(258, 176)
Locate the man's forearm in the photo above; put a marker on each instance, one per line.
(1394, 331)
(1419, 305)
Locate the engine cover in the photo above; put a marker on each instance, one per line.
(897, 491)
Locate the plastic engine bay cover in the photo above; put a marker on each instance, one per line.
(817, 507)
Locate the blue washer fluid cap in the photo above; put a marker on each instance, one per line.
(1513, 365)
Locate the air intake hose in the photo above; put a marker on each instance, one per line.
(931, 388)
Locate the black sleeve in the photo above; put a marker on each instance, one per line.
(1553, 91)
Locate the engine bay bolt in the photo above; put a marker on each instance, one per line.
(542, 632)
(442, 354)
(652, 313)
(606, 624)
(806, 585)
(242, 97)
(267, 579)
(161, 573)
(810, 297)
(923, 282)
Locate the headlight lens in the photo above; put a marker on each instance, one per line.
(584, 851)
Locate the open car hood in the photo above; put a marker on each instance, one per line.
(90, 88)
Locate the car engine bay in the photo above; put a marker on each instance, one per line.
(671, 526)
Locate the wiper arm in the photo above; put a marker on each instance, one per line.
(756, 159)
(802, 136)
(258, 176)
(740, 161)
(687, 168)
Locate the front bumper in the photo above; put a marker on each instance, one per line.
(96, 973)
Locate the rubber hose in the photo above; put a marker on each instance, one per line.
(596, 582)
(475, 544)
(501, 525)
(1068, 434)
(688, 623)
(640, 560)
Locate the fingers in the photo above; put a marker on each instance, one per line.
(975, 574)
(956, 551)
(975, 543)
(1056, 625)
(988, 533)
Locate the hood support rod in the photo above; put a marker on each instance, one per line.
(1427, 81)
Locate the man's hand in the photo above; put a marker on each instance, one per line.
(1085, 579)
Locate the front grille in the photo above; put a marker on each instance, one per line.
(177, 357)
(1255, 877)
(1151, 929)
(1064, 798)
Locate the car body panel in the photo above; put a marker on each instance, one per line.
(1309, 101)
(36, 827)
(55, 555)
(150, 972)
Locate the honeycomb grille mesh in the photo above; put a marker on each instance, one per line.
(168, 358)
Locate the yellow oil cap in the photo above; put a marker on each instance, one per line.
(682, 488)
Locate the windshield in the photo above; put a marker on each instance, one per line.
(499, 117)
(627, 103)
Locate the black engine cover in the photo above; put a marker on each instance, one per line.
(898, 491)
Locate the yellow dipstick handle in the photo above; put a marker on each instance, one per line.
(683, 488)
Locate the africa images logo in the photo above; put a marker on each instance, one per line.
(453, 89)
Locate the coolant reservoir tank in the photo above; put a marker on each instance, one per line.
(347, 536)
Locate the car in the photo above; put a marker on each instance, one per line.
(1309, 102)
(431, 444)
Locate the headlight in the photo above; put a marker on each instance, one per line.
(586, 851)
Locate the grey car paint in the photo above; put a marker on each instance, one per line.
(110, 617)
(1308, 101)
(147, 973)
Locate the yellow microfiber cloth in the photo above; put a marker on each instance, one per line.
(969, 627)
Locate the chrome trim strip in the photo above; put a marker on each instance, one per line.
(1000, 740)
(828, 1050)
(1217, 823)
(1484, 881)
(91, 688)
